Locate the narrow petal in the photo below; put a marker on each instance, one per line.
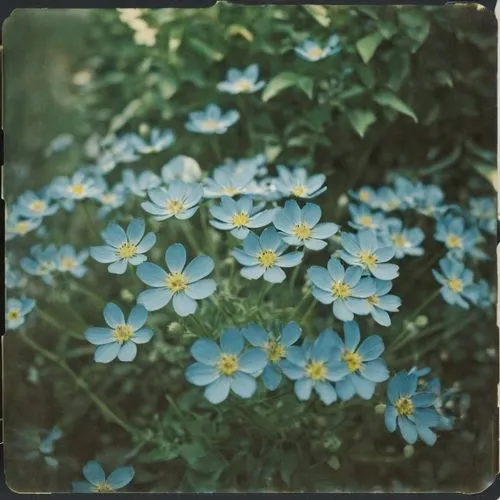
(106, 353)
(154, 299)
(390, 417)
(120, 477)
(175, 257)
(271, 377)
(201, 375)
(113, 315)
(218, 390)
(127, 352)
(147, 243)
(184, 305)
(290, 333)
(408, 430)
(243, 385)
(426, 435)
(364, 387)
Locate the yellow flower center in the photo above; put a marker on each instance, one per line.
(267, 258)
(230, 190)
(176, 282)
(275, 351)
(404, 407)
(228, 364)
(315, 53)
(175, 206)
(13, 314)
(209, 125)
(364, 196)
(399, 240)
(302, 231)
(22, 227)
(454, 241)
(123, 333)
(38, 206)
(316, 370)
(243, 85)
(373, 300)
(367, 258)
(340, 290)
(68, 263)
(127, 250)
(107, 199)
(456, 285)
(77, 190)
(391, 205)
(299, 190)
(102, 488)
(241, 219)
(366, 221)
(353, 360)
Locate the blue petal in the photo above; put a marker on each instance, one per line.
(114, 235)
(390, 417)
(320, 277)
(198, 268)
(341, 312)
(200, 374)
(243, 258)
(345, 389)
(274, 275)
(256, 335)
(93, 473)
(375, 371)
(99, 336)
(206, 351)
(118, 267)
(137, 317)
(296, 356)
(104, 254)
(290, 259)
(143, 336)
(251, 244)
(365, 288)
(303, 388)
(324, 230)
(321, 295)
(231, 341)
(253, 273)
(151, 274)
(113, 315)
(364, 387)
(243, 385)
(184, 305)
(326, 392)
(270, 239)
(128, 352)
(154, 299)
(427, 417)
(311, 214)
(426, 435)
(423, 399)
(253, 360)
(106, 353)
(218, 390)
(135, 231)
(201, 289)
(385, 271)
(350, 243)
(335, 269)
(323, 346)
(81, 487)
(147, 243)
(351, 335)
(408, 430)
(291, 370)
(290, 333)
(120, 477)
(271, 377)
(371, 348)
(336, 371)
(175, 257)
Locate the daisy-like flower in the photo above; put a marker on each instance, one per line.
(263, 256)
(230, 181)
(181, 168)
(296, 182)
(16, 226)
(13, 277)
(365, 250)
(430, 201)
(239, 82)
(315, 367)
(16, 312)
(404, 241)
(387, 199)
(123, 248)
(141, 183)
(363, 218)
(457, 238)
(159, 141)
(110, 200)
(239, 216)
(180, 200)
(410, 410)
(408, 192)
(364, 365)
(457, 283)
(42, 262)
(274, 347)
(78, 187)
(313, 52)
(68, 261)
(183, 284)
(346, 289)
(32, 206)
(225, 368)
(301, 227)
(485, 212)
(366, 195)
(97, 482)
(212, 120)
(381, 303)
(121, 337)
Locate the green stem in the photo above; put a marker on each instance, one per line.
(48, 318)
(200, 326)
(185, 228)
(217, 151)
(221, 307)
(293, 279)
(300, 304)
(90, 220)
(309, 311)
(86, 291)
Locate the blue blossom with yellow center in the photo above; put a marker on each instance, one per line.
(225, 367)
(75, 188)
(301, 227)
(182, 284)
(69, 261)
(111, 199)
(32, 205)
(296, 182)
(238, 217)
(229, 180)
(141, 183)
(457, 283)
(315, 366)
(364, 366)
(408, 192)
(367, 196)
(456, 237)
(123, 247)
(362, 217)
(159, 141)
(274, 347)
(42, 262)
(16, 226)
(179, 200)
(484, 210)
(381, 303)
(410, 410)
(121, 337)
(365, 250)
(404, 241)
(242, 82)
(345, 288)
(314, 52)
(387, 200)
(181, 168)
(46, 447)
(59, 143)
(97, 482)
(430, 202)
(16, 311)
(263, 256)
(212, 120)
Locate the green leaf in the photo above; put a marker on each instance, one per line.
(361, 119)
(368, 45)
(351, 91)
(205, 49)
(319, 13)
(286, 80)
(388, 99)
(489, 173)
(288, 464)
(192, 452)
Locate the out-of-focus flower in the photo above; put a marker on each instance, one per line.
(312, 51)
(296, 182)
(245, 81)
(212, 120)
(97, 481)
(181, 168)
(15, 312)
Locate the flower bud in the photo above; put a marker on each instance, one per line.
(175, 328)
(380, 408)
(421, 321)
(127, 295)
(408, 451)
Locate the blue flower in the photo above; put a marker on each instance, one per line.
(159, 141)
(212, 120)
(363, 218)
(430, 201)
(139, 184)
(263, 256)
(120, 339)
(295, 182)
(346, 289)
(97, 481)
(366, 195)
(183, 284)
(380, 302)
(180, 200)
(410, 410)
(313, 52)
(16, 310)
(484, 295)
(457, 283)
(71, 262)
(181, 168)
(238, 216)
(110, 200)
(365, 250)
(300, 227)
(32, 206)
(408, 192)
(387, 200)
(16, 226)
(485, 212)
(239, 82)
(404, 241)
(275, 348)
(229, 180)
(59, 143)
(13, 277)
(225, 368)
(364, 366)
(46, 446)
(43, 262)
(315, 367)
(78, 187)
(123, 248)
